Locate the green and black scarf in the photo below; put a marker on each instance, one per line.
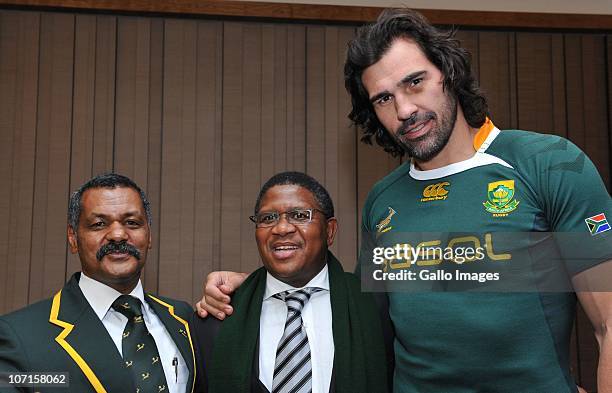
(359, 354)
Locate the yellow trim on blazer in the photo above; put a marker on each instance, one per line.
(181, 320)
(91, 376)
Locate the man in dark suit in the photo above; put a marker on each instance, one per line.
(102, 328)
(301, 324)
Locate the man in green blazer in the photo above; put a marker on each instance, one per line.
(102, 329)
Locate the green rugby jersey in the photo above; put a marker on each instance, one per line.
(517, 181)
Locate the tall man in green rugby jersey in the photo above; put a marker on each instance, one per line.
(412, 91)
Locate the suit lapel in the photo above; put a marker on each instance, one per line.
(178, 329)
(86, 341)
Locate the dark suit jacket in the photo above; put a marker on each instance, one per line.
(63, 334)
(205, 330)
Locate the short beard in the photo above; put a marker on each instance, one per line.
(427, 146)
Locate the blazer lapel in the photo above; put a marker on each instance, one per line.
(86, 341)
(178, 328)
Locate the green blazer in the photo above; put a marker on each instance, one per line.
(63, 334)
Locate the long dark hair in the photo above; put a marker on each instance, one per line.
(440, 48)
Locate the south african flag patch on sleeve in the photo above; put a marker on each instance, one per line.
(597, 224)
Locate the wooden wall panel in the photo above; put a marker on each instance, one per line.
(346, 199)
(154, 170)
(132, 98)
(595, 108)
(470, 40)
(587, 113)
(83, 109)
(231, 185)
(52, 162)
(340, 150)
(496, 65)
(332, 78)
(575, 100)
(558, 77)
(534, 82)
(178, 158)
(9, 27)
(296, 98)
(104, 94)
(207, 196)
(272, 88)
(257, 85)
(19, 42)
(315, 102)
(541, 87)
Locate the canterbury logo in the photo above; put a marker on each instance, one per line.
(435, 192)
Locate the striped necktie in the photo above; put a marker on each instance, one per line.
(292, 368)
(138, 347)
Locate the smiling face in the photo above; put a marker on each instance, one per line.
(111, 216)
(406, 91)
(292, 253)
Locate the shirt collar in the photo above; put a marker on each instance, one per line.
(274, 285)
(101, 296)
(483, 135)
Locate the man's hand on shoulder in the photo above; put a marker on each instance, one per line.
(217, 290)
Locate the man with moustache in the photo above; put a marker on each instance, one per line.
(413, 92)
(102, 329)
(301, 324)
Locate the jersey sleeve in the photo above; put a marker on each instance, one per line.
(577, 205)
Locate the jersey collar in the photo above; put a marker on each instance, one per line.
(482, 140)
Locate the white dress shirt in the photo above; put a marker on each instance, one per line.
(316, 318)
(101, 297)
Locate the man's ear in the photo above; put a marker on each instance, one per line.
(72, 240)
(332, 228)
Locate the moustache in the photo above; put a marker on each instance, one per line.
(414, 119)
(119, 247)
